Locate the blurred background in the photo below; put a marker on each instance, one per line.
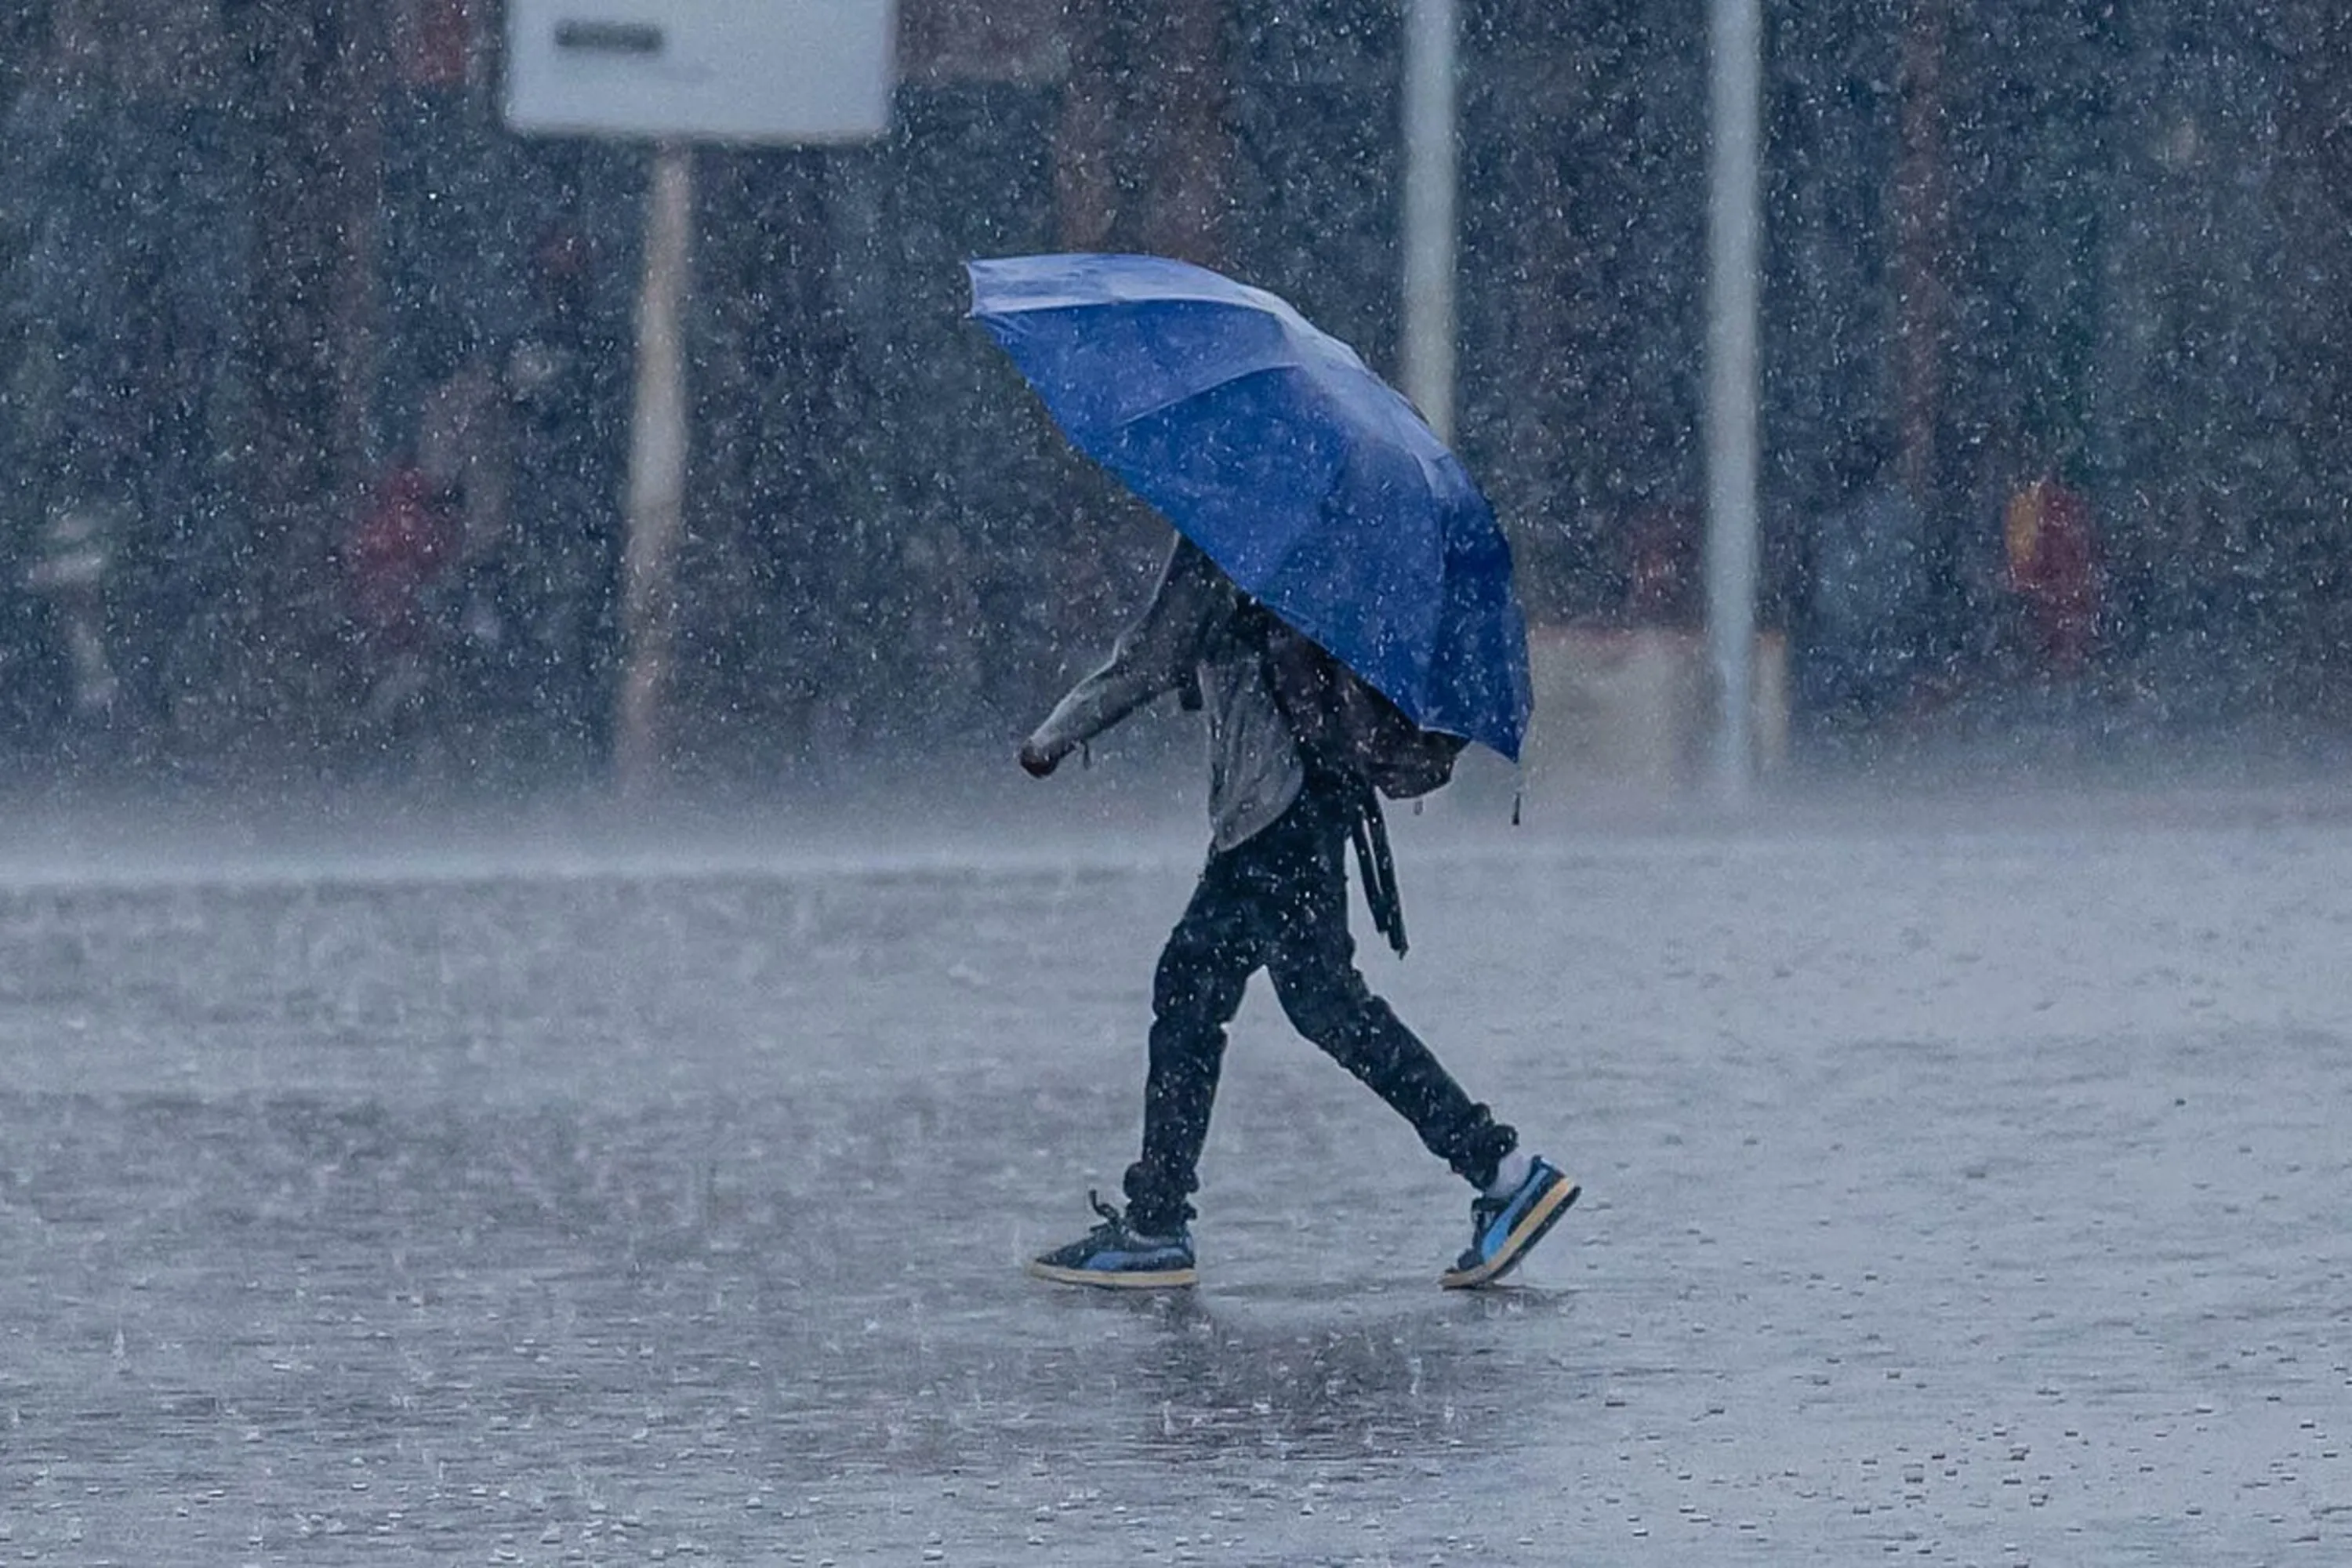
(316, 379)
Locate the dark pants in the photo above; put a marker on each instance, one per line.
(1279, 902)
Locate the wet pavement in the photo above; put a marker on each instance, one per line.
(1962, 1188)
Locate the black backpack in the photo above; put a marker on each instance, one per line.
(1352, 734)
(1346, 726)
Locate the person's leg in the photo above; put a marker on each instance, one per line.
(1196, 989)
(1310, 957)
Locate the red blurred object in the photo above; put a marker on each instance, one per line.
(2054, 566)
(434, 42)
(402, 545)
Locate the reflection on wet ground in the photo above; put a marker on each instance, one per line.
(370, 1321)
(639, 1217)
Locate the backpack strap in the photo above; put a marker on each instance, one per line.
(1368, 828)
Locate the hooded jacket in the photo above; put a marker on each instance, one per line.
(1192, 629)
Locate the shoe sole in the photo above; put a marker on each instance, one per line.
(1110, 1280)
(1531, 1228)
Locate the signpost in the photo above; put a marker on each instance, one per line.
(1734, 227)
(776, 71)
(675, 72)
(1431, 137)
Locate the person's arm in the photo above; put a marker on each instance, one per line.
(1154, 656)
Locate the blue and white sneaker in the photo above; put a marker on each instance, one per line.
(1115, 1257)
(1502, 1229)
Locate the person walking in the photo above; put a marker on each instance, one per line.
(1272, 896)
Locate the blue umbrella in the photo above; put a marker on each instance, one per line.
(1310, 480)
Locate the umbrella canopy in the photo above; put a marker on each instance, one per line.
(1310, 480)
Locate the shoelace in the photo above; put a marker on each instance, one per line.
(1115, 1225)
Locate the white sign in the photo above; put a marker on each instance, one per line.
(722, 70)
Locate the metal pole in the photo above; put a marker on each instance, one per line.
(1734, 225)
(1430, 172)
(656, 496)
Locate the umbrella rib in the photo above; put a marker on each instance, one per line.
(1165, 403)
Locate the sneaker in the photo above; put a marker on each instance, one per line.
(1502, 1229)
(1115, 1257)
